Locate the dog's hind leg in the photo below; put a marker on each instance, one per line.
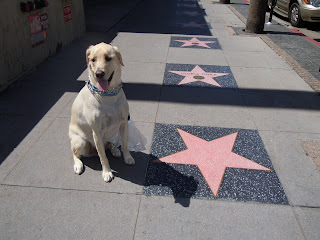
(114, 150)
(79, 147)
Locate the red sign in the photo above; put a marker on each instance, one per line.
(34, 21)
(44, 21)
(38, 25)
(67, 13)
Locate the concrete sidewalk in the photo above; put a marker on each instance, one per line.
(225, 115)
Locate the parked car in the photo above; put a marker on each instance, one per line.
(298, 11)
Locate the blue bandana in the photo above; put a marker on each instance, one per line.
(109, 93)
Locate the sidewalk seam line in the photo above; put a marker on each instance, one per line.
(136, 223)
(299, 224)
(141, 194)
(70, 189)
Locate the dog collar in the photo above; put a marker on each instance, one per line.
(109, 93)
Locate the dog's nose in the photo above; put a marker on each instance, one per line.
(99, 74)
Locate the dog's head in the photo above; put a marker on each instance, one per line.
(104, 63)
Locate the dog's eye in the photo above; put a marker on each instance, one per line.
(93, 60)
(108, 58)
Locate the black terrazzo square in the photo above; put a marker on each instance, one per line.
(210, 162)
(190, 75)
(194, 42)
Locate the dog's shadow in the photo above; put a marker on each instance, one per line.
(156, 178)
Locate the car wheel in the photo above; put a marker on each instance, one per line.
(295, 15)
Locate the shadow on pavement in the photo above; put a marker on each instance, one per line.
(166, 17)
(157, 178)
(264, 98)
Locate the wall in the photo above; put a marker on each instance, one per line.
(17, 56)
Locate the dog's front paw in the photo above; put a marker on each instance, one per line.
(78, 167)
(115, 152)
(129, 160)
(107, 176)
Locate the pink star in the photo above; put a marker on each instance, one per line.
(195, 41)
(197, 74)
(193, 24)
(211, 157)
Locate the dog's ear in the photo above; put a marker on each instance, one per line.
(88, 53)
(118, 55)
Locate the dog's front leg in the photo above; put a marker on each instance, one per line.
(128, 159)
(106, 170)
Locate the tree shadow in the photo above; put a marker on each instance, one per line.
(157, 178)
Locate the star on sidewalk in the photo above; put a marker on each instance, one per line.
(211, 157)
(195, 42)
(198, 74)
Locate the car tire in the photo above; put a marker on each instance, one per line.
(295, 15)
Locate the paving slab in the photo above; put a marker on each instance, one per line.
(37, 213)
(143, 111)
(220, 9)
(309, 219)
(217, 26)
(148, 73)
(204, 107)
(196, 56)
(49, 163)
(221, 34)
(214, 219)
(145, 39)
(248, 44)
(225, 18)
(117, 40)
(20, 138)
(83, 76)
(255, 59)
(291, 112)
(295, 169)
(143, 54)
(263, 78)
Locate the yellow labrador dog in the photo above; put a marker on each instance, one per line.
(100, 110)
